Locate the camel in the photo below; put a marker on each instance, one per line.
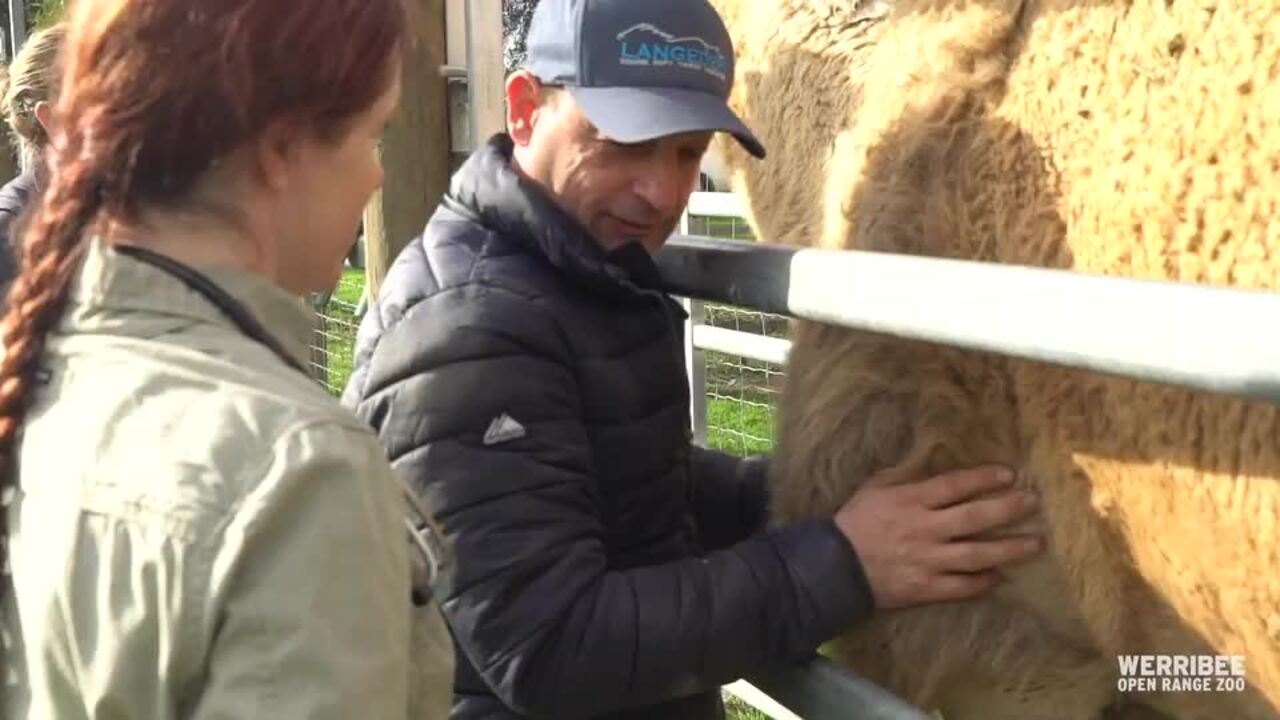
(1135, 138)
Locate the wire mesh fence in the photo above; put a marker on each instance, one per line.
(334, 337)
(742, 393)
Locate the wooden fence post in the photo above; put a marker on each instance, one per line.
(414, 150)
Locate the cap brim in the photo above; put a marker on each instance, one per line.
(639, 114)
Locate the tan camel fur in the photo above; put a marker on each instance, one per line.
(1135, 138)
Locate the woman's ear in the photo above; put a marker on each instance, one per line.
(275, 152)
(44, 116)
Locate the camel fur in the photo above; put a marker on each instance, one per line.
(1137, 138)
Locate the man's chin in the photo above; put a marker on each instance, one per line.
(649, 243)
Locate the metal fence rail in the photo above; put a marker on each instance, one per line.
(823, 690)
(1199, 337)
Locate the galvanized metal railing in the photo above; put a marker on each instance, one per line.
(823, 690)
(1199, 337)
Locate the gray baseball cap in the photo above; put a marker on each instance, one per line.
(640, 69)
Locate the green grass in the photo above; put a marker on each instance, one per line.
(340, 327)
(738, 710)
(739, 420)
(45, 12)
(721, 227)
(350, 287)
(737, 427)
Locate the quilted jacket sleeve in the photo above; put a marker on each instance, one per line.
(729, 496)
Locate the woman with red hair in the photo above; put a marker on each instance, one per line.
(194, 527)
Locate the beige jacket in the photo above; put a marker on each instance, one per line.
(201, 531)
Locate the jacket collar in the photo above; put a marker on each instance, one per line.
(490, 191)
(116, 294)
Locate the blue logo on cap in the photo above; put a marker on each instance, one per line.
(645, 44)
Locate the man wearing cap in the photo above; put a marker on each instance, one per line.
(526, 372)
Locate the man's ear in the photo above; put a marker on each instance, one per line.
(524, 103)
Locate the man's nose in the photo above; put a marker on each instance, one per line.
(659, 184)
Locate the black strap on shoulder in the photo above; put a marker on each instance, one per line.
(221, 299)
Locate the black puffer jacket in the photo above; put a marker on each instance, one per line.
(15, 197)
(533, 387)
